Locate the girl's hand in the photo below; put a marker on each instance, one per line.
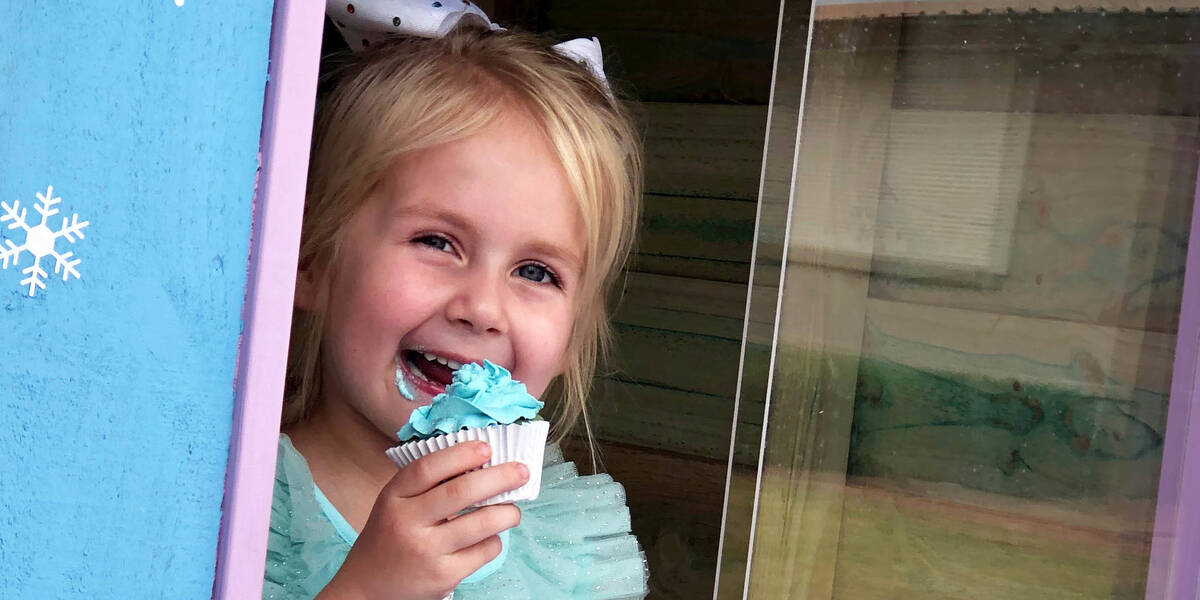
(415, 545)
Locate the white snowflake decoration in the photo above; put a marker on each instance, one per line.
(39, 240)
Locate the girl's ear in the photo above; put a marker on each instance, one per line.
(308, 287)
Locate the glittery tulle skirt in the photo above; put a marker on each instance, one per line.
(573, 543)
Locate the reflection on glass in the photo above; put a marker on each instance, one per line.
(988, 228)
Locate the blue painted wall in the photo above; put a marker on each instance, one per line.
(117, 387)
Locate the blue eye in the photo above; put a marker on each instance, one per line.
(436, 242)
(537, 273)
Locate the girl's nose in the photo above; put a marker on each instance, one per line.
(478, 304)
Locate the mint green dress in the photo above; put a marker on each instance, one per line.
(573, 542)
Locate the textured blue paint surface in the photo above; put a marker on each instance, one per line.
(117, 388)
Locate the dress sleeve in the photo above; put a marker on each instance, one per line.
(276, 583)
(303, 548)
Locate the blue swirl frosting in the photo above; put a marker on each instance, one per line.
(479, 396)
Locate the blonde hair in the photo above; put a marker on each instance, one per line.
(415, 93)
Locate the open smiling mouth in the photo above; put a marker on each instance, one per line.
(431, 368)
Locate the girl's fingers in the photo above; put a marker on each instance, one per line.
(454, 496)
(474, 527)
(427, 472)
(476, 555)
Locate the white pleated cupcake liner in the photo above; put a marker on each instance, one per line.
(516, 442)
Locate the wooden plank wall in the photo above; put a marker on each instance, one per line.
(669, 401)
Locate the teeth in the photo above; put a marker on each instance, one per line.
(452, 365)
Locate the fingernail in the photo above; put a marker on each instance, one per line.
(483, 449)
(523, 470)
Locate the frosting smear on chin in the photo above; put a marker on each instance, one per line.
(479, 396)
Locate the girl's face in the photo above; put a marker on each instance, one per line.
(467, 251)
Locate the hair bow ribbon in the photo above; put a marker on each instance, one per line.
(367, 22)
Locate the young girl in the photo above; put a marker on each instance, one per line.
(471, 197)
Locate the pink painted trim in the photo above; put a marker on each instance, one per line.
(1175, 553)
(286, 132)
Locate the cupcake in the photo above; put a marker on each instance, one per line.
(483, 402)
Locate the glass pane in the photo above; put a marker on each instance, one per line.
(985, 248)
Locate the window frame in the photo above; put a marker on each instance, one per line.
(286, 134)
(1175, 550)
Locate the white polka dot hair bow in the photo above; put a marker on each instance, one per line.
(366, 22)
